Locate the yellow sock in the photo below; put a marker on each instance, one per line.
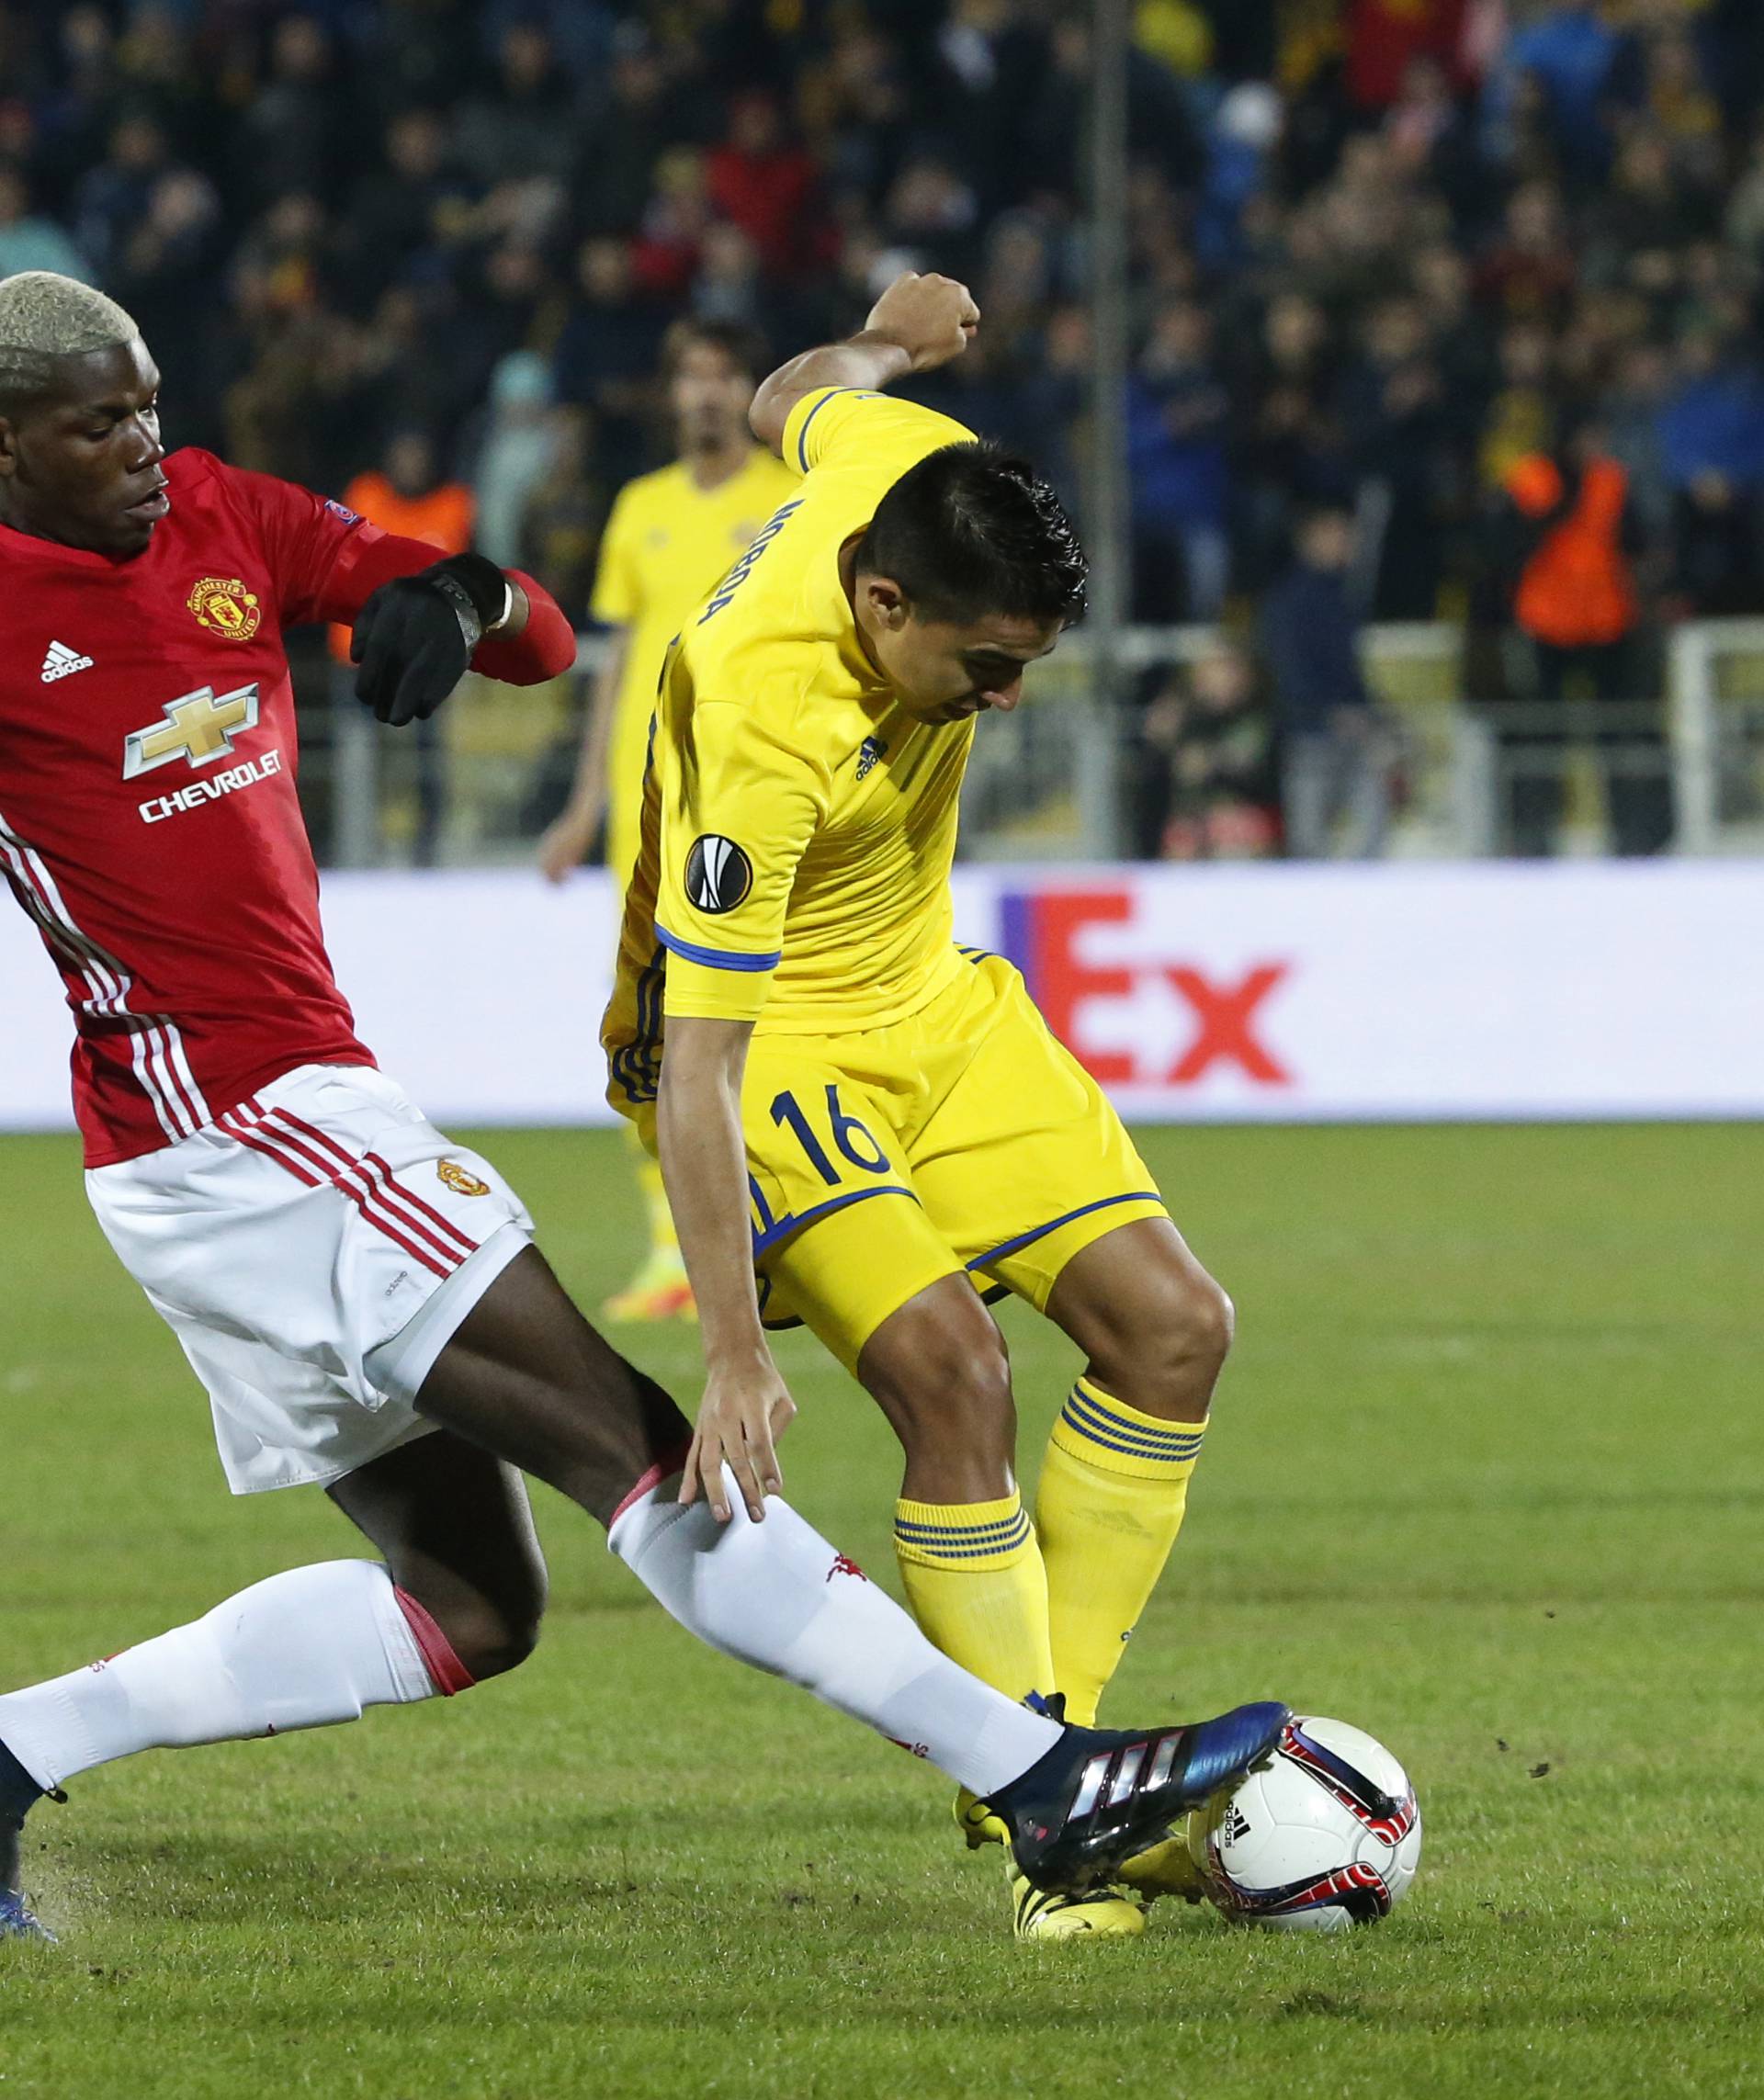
(1113, 1490)
(977, 1587)
(663, 1240)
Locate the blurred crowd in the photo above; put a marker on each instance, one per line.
(1391, 259)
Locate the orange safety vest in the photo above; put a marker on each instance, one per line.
(443, 517)
(1577, 589)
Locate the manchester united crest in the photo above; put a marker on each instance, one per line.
(225, 607)
(459, 1180)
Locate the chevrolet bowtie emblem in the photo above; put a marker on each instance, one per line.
(197, 727)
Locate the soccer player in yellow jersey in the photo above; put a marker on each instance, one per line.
(874, 1122)
(670, 536)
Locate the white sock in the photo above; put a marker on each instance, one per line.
(303, 1650)
(776, 1595)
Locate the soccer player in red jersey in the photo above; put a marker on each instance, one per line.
(360, 1298)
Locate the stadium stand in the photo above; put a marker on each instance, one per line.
(1396, 256)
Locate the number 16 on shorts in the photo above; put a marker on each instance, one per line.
(811, 1155)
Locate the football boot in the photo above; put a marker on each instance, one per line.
(1166, 1869)
(978, 1822)
(19, 1794)
(659, 1290)
(19, 1921)
(1101, 1795)
(1053, 1914)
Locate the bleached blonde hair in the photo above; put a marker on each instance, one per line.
(45, 316)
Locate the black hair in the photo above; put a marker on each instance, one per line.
(744, 346)
(972, 530)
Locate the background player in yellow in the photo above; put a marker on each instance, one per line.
(671, 535)
(876, 1122)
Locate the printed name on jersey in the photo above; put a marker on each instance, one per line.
(226, 607)
(160, 807)
(198, 729)
(718, 874)
(63, 662)
(743, 568)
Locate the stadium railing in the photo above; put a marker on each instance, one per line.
(1048, 782)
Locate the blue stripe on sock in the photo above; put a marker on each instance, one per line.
(973, 1552)
(1089, 1420)
(1118, 1438)
(1126, 1451)
(1117, 1444)
(911, 1525)
(969, 1542)
(1096, 1405)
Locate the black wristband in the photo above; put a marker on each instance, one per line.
(482, 586)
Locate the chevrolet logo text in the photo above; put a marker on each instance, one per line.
(211, 789)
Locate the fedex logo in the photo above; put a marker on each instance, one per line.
(1131, 1012)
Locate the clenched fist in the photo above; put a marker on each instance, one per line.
(931, 318)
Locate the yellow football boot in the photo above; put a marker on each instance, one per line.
(978, 1823)
(658, 1291)
(1101, 1914)
(1164, 1869)
(1098, 1914)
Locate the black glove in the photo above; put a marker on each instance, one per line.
(415, 636)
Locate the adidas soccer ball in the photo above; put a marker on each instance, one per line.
(1325, 1837)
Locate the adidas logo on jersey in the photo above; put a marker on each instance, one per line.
(63, 662)
(869, 752)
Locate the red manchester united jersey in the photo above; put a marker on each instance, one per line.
(148, 817)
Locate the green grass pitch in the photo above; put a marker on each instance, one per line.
(1486, 1478)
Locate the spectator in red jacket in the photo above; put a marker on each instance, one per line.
(763, 184)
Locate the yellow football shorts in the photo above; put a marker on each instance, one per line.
(965, 1138)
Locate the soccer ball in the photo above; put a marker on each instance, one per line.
(1326, 1836)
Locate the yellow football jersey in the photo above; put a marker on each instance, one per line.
(798, 826)
(666, 543)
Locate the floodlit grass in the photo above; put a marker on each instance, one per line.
(1487, 1477)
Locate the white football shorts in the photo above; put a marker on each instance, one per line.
(313, 1250)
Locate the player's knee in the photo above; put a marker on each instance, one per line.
(1208, 1323)
(492, 1633)
(946, 1390)
(969, 1401)
(1171, 1351)
(517, 1634)
(490, 1639)
(1192, 1329)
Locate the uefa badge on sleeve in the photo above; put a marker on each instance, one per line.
(718, 874)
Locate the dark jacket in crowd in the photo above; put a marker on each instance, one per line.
(1309, 635)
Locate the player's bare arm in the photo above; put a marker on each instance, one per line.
(746, 1406)
(566, 840)
(919, 324)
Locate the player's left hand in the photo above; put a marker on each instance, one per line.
(741, 1418)
(415, 636)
